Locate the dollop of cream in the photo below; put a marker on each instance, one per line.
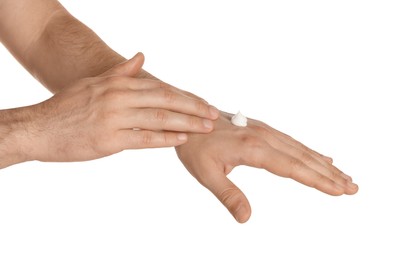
(239, 120)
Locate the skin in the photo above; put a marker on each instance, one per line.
(104, 104)
(95, 117)
(211, 157)
(99, 96)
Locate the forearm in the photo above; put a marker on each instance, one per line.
(13, 134)
(68, 50)
(52, 45)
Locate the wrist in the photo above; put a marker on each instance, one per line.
(13, 137)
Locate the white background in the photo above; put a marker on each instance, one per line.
(322, 71)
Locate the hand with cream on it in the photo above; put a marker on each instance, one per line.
(211, 157)
(239, 120)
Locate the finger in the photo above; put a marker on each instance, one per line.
(129, 68)
(145, 75)
(191, 95)
(302, 152)
(320, 157)
(156, 119)
(310, 158)
(151, 93)
(150, 84)
(139, 139)
(182, 92)
(287, 166)
(288, 139)
(167, 98)
(321, 167)
(229, 195)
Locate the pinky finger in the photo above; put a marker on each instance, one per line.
(140, 139)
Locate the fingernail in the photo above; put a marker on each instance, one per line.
(213, 112)
(241, 214)
(182, 137)
(207, 123)
(352, 186)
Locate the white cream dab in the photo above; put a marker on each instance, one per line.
(239, 120)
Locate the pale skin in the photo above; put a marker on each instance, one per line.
(105, 105)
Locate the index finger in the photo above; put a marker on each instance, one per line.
(146, 93)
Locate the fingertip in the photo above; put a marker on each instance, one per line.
(128, 68)
(208, 125)
(140, 56)
(242, 213)
(214, 112)
(329, 159)
(353, 189)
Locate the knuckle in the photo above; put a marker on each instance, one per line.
(111, 94)
(334, 175)
(200, 107)
(193, 122)
(160, 115)
(304, 148)
(229, 197)
(146, 138)
(163, 85)
(264, 132)
(168, 95)
(306, 158)
(296, 166)
(165, 138)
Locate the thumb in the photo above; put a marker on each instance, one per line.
(229, 195)
(129, 68)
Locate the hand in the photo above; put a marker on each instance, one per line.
(211, 157)
(104, 115)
